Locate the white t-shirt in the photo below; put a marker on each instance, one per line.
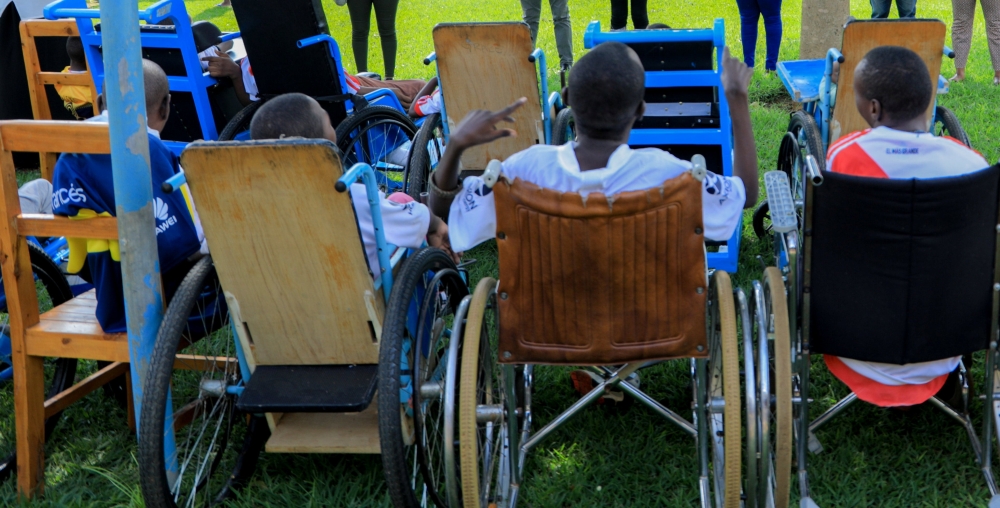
(405, 224)
(888, 153)
(428, 104)
(472, 218)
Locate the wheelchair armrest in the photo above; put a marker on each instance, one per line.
(779, 200)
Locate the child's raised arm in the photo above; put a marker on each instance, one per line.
(477, 128)
(735, 83)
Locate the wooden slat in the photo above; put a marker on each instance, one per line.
(76, 340)
(81, 389)
(40, 224)
(326, 433)
(63, 78)
(301, 305)
(925, 37)
(204, 363)
(50, 28)
(54, 136)
(485, 66)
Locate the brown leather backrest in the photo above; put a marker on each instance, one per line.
(599, 280)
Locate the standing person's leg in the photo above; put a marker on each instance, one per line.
(880, 8)
(906, 8)
(964, 12)
(991, 11)
(564, 32)
(619, 14)
(640, 17)
(771, 10)
(532, 11)
(749, 15)
(385, 18)
(361, 12)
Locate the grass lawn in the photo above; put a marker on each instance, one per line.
(602, 457)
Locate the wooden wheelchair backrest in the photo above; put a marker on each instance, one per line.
(38, 79)
(601, 280)
(485, 66)
(286, 245)
(923, 36)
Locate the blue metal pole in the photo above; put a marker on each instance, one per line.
(124, 95)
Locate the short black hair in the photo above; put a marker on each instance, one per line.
(606, 87)
(74, 48)
(286, 116)
(206, 35)
(155, 83)
(898, 79)
(658, 26)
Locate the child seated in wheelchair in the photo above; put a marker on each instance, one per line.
(892, 89)
(606, 91)
(76, 98)
(84, 188)
(405, 222)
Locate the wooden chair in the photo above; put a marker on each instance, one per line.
(923, 36)
(70, 330)
(487, 66)
(39, 79)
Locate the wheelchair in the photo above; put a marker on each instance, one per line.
(677, 310)
(317, 351)
(200, 105)
(839, 289)
(485, 66)
(299, 55)
(819, 123)
(686, 111)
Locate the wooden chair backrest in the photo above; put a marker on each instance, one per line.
(38, 79)
(923, 36)
(599, 280)
(35, 136)
(485, 66)
(286, 246)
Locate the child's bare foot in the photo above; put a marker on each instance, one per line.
(959, 75)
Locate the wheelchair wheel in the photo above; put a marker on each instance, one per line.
(564, 128)
(414, 357)
(947, 124)
(724, 384)
(774, 372)
(426, 151)
(60, 373)
(188, 398)
(240, 122)
(482, 404)
(377, 136)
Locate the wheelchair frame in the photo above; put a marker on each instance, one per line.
(789, 329)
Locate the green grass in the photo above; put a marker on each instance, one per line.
(602, 457)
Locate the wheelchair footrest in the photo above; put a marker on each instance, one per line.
(309, 389)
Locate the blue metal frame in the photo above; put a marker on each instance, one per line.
(196, 82)
(367, 175)
(728, 256)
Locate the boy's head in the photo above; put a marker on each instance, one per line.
(74, 48)
(892, 87)
(157, 89)
(292, 115)
(606, 91)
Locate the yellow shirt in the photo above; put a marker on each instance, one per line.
(77, 95)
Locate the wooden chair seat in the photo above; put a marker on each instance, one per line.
(71, 330)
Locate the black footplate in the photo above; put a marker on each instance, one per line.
(309, 389)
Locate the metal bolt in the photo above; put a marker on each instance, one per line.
(998, 228)
(503, 296)
(697, 231)
(501, 235)
(506, 354)
(700, 348)
(700, 290)
(996, 287)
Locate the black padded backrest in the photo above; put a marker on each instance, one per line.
(902, 270)
(270, 30)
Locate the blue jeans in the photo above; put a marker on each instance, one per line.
(905, 8)
(750, 13)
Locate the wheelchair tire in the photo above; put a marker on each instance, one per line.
(412, 444)
(724, 381)
(949, 125)
(356, 133)
(240, 122)
(482, 446)
(427, 148)
(564, 127)
(762, 226)
(781, 450)
(56, 292)
(191, 404)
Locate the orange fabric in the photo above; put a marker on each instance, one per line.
(853, 160)
(879, 394)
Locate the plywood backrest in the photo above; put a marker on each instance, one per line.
(286, 246)
(485, 66)
(923, 36)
